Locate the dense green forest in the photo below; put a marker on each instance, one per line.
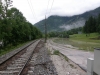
(14, 28)
(92, 25)
(65, 34)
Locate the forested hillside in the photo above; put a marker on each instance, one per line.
(14, 28)
(92, 25)
(58, 23)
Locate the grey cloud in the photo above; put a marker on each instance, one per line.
(60, 7)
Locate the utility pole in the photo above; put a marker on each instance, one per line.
(45, 30)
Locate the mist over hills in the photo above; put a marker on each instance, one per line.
(59, 23)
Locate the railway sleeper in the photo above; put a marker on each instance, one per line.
(14, 68)
(16, 65)
(8, 72)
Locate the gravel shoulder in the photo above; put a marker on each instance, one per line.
(41, 64)
(63, 66)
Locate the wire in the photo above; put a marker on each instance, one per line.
(47, 7)
(31, 9)
(51, 6)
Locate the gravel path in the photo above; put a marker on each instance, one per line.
(41, 63)
(66, 67)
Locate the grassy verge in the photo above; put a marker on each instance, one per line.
(92, 38)
(56, 52)
(81, 41)
(8, 49)
(65, 57)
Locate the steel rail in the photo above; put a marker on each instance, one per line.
(18, 52)
(28, 60)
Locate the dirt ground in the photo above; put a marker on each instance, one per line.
(63, 66)
(78, 56)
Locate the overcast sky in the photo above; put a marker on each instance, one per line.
(35, 10)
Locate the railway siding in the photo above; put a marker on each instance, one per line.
(17, 65)
(12, 53)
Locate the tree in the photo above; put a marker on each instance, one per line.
(85, 28)
(98, 24)
(98, 29)
(14, 28)
(90, 25)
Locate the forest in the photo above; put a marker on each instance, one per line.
(65, 34)
(92, 25)
(14, 28)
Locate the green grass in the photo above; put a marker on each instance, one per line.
(65, 57)
(82, 37)
(56, 52)
(11, 48)
(81, 41)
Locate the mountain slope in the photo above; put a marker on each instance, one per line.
(58, 23)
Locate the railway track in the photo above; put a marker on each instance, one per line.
(18, 62)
